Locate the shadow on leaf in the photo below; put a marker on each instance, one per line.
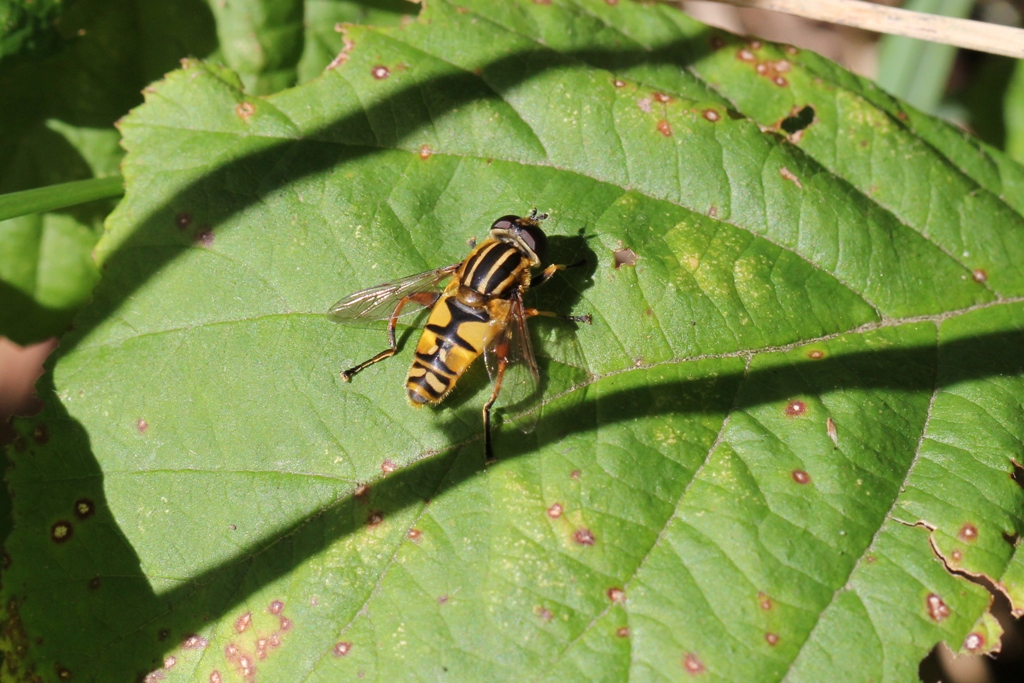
(107, 587)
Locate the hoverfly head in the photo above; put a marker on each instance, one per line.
(523, 232)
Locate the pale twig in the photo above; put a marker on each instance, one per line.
(973, 35)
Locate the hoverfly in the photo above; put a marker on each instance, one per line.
(479, 312)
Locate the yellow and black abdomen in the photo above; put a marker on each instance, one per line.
(454, 337)
(472, 311)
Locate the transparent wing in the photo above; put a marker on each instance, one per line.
(520, 387)
(377, 303)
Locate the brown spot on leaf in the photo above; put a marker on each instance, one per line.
(543, 612)
(380, 72)
(816, 354)
(162, 634)
(937, 609)
(792, 50)
(276, 607)
(644, 104)
(441, 599)
(780, 81)
(84, 508)
(624, 257)
(243, 622)
(183, 220)
(40, 434)
(764, 601)
(622, 632)
(414, 535)
(801, 477)
(957, 556)
(286, 624)
(664, 128)
(61, 531)
(968, 532)
(94, 583)
(796, 408)
(425, 151)
(388, 466)
(584, 537)
(341, 648)
(712, 115)
(63, 673)
(791, 177)
(616, 595)
(245, 110)
(142, 426)
(555, 511)
(979, 275)
(692, 664)
(716, 42)
(215, 677)
(195, 642)
(170, 661)
(575, 474)
(771, 638)
(745, 55)
(712, 211)
(374, 518)
(830, 429)
(974, 642)
(661, 97)
(619, 84)
(204, 238)
(240, 660)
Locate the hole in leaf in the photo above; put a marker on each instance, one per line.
(625, 257)
(799, 121)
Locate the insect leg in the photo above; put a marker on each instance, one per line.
(546, 274)
(533, 312)
(501, 351)
(425, 299)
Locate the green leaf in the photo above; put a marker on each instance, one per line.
(1013, 114)
(779, 450)
(102, 57)
(69, 97)
(325, 24)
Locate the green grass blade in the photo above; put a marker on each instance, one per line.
(916, 70)
(62, 196)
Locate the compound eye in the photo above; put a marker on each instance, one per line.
(535, 239)
(528, 239)
(504, 223)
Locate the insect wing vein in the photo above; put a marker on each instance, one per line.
(377, 303)
(520, 387)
